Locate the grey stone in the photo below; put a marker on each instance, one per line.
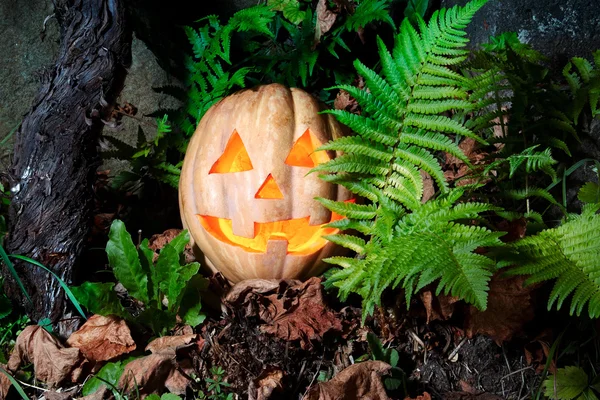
(24, 56)
(560, 29)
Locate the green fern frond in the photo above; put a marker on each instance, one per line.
(403, 125)
(568, 254)
(427, 245)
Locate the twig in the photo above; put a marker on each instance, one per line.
(451, 355)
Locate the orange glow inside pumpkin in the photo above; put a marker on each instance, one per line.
(269, 189)
(234, 158)
(302, 238)
(303, 152)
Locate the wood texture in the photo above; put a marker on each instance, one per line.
(56, 152)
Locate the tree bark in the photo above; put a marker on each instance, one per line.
(56, 153)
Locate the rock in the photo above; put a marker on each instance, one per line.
(25, 55)
(560, 29)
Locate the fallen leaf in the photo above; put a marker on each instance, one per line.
(428, 186)
(103, 338)
(514, 229)
(440, 307)
(52, 362)
(267, 382)
(360, 381)
(291, 310)
(509, 309)
(325, 20)
(343, 100)
(148, 374)
(424, 396)
(52, 395)
(455, 169)
(178, 382)
(163, 368)
(169, 343)
(4, 382)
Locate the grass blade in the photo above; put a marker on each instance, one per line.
(15, 383)
(62, 283)
(13, 272)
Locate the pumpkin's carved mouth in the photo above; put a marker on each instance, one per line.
(302, 238)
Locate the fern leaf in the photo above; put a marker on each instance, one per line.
(568, 254)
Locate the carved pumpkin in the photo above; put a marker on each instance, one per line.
(244, 192)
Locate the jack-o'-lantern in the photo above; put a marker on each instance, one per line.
(245, 193)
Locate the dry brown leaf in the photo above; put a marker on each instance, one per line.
(52, 395)
(103, 338)
(424, 396)
(455, 169)
(52, 362)
(428, 186)
(509, 309)
(148, 374)
(4, 383)
(325, 20)
(514, 229)
(267, 382)
(439, 307)
(291, 310)
(360, 381)
(170, 343)
(160, 369)
(178, 382)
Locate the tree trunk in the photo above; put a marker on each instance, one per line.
(56, 153)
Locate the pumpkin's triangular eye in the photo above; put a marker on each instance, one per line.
(269, 189)
(234, 158)
(303, 152)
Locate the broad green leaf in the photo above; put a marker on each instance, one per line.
(146, 256)
(178, 279)
(568, 383)
(110, 373)
(190, 307)
(589, 193)
(159, 321)
(169, 396)
(166, 265)
(123, 258)
(180, 241)
(100, 298)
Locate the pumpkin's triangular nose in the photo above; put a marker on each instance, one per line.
(269, 189)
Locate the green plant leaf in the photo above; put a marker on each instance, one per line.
(146, 257)
(190, 307)
(110, 372)
(100, 298)
(589, 193)
(567, 384)
(159, 321)
(123, 258)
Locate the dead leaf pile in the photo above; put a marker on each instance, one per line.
(152, 373)
(360, 381)
(103, 338)
(455, 169)
(290, 309)
(52, 362)
(269, 381)
(509, 309)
